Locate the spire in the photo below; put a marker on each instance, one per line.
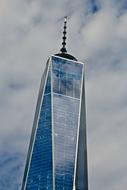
(63, 49)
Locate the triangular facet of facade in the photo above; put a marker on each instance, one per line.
(57, 156)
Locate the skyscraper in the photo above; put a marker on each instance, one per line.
(57, 156)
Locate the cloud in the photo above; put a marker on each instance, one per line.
(30, 32)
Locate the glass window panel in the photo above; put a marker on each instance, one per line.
(40, 172)
(67, 76)
(65, 141)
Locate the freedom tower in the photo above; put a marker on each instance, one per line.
(57, 155)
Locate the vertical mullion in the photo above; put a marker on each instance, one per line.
(53, 156)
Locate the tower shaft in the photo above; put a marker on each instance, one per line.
(57, 156)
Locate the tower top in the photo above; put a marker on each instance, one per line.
(63, 50)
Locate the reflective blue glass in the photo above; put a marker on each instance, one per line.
(40, 172)
(67, 79)
(65, 134)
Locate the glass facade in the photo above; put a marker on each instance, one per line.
(40, 169)
(81, 167)
(67, 79)
(54, 161)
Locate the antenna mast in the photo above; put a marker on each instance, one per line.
(63, 49)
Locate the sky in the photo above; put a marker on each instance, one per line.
(30, 31)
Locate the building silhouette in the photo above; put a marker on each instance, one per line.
(57, 155)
